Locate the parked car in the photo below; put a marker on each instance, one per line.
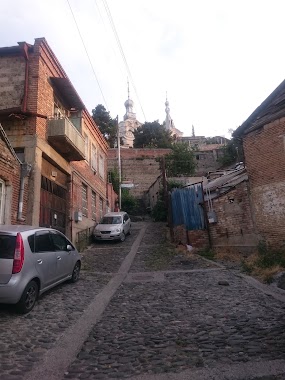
(33, 260)
(113, 226)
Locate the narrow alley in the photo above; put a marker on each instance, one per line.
(143, 310)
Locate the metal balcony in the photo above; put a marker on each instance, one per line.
(66, 139)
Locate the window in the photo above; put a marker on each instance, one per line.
(94, 157)
(84, 200)
(2, 201)
(101, 166)
(86, 142)
(59, 241)
(93, 205)
(101, 207)
(43, 242)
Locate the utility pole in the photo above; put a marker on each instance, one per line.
(119, 163)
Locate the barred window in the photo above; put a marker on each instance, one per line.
(101, 166)
(94, 157)
(101, 207)
(84, 200)
(86, 142)
(93, 205)
(2, 200)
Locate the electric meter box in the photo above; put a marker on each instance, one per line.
(78, 216)
(212, 217)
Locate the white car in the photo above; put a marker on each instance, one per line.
(113, 226)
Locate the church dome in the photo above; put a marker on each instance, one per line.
(129, 103)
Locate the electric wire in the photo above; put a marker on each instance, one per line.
(86, 51)
(105, 26)
(121, 51)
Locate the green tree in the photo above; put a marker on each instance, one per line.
(180, 162)
(152, 135)
(232, 152)
(107, 125)
(129, 202)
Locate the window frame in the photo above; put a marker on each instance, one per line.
(84, 200)
(2, 200)
(94, 163)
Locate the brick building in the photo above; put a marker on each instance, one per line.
(263, 135)
(228, 205)
(10, 178)
(50, 129)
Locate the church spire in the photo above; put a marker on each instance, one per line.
(168, 120)
(193, 131)
(129, 104)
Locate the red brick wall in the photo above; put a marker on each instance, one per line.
(10, 173)
(264, 151)
(235, 226)
(197, 238)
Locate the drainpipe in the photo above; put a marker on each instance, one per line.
(25, 171)
(25, 53)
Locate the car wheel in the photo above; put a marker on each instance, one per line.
(28, 299)
(75, 272)
(123, 236)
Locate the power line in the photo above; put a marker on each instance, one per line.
(87, 54)
(121, 51)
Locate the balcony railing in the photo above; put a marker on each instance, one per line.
(66, 139)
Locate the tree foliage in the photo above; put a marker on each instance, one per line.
(152, 135)
(232, 152)
(107, 125)
(128, 202)
(180, 162)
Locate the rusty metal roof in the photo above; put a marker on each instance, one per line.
(272, 108)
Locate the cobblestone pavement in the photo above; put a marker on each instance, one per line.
(24, 339)
(180, 321)
(170, 315)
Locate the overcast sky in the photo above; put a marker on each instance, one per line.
(216, 59)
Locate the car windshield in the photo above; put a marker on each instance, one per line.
(111, 220)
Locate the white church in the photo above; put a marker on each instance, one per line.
(130, 123)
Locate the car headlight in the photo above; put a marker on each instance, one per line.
(118, 230)
(96, 231)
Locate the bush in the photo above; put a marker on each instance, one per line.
(128, 203)
(268, 258)
(208, 253)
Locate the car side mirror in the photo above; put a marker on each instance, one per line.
(69, 247)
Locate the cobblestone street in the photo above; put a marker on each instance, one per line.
(169, 317)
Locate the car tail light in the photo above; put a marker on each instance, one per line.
(18, 255)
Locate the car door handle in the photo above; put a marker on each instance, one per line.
(58, 258)
(40, 261)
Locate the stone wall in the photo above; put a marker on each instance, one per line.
(12, 80)
(140, 166)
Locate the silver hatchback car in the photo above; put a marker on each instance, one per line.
(33, 260)
(113, 226)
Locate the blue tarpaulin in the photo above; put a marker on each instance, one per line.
(186, 207)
